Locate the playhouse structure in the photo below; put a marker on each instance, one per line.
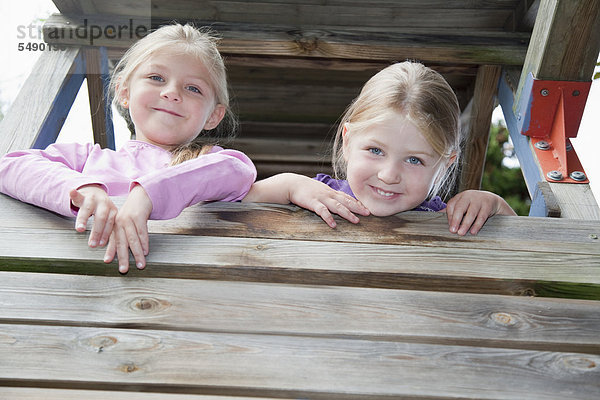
(266, 301)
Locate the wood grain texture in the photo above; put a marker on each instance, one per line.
(316, 262)
(275, 221)
(274, 365)
(478, 129)
(24, 393)
(36, 112)
(281, 309)
(333, 42)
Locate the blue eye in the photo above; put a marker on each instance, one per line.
(194, 89)
(156, 78)
(376, 151)
(414, 161)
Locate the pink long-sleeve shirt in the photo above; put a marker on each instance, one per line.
(45, 177)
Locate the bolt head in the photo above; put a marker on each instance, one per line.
(555, 175)
(542, 145)
(576, 93)
(544, 92)
(577, 176)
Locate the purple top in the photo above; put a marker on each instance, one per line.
(45, 177)
(435, 204)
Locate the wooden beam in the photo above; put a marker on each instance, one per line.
(449, 46)
(270, 243)
(478, 130)
(564, 46)
(42, 105)
(97, 76)
(201, 306)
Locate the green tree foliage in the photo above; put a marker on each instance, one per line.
(499, 179)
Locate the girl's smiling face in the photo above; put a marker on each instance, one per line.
(171, 101)
(390, 166)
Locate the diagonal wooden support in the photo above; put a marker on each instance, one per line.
(39, 111)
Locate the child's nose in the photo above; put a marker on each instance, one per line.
(171, 92)
(390, 174)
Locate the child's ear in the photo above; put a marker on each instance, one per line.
(215, 117)
(123, 93)
(451, 160)
(345, 141)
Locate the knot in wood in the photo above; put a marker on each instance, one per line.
(129, 368)
(503, 319)
(580, 363)
(149, 304)
(102, 342)
(308, 45)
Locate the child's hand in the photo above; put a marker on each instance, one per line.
(131, 231)
(301, 190)
(468, 210)
(323, 200)
(93, 200)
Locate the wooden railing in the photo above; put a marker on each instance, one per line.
(266, 300)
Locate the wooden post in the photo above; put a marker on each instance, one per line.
(564, 46)
(97, 81)
(478, 130)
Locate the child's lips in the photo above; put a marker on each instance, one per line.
(168, 111)
(385, 193)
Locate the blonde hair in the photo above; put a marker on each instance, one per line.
(422, 96)
(186, 39)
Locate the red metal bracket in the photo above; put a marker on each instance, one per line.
(550, 117)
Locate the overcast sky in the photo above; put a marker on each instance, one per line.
(15, 19)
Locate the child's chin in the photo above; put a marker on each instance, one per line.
(383, 212)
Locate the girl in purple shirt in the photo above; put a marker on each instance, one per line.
(396, 149)
(172, 85)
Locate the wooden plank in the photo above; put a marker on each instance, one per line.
(467, 270)
(463, 47)
(345, 13)
(325, 311)
(97, 76)
(274, 365)
(23, 393)
(36, 116)
(271, 221)
(479, 127)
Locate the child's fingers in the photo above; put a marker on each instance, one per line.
(341, 210)
(135, 245)
(478, 224)
(122, 250)
(111, 249)
(467, 221)
(108, 227)
(322, 211)
(78, 200)
(101, 217)
(353, 205)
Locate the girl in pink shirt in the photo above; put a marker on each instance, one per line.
(172, 85)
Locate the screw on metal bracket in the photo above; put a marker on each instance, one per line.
(577, 176)
(544, 92)
(576, 92)
(555, 175)
(542, 145)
